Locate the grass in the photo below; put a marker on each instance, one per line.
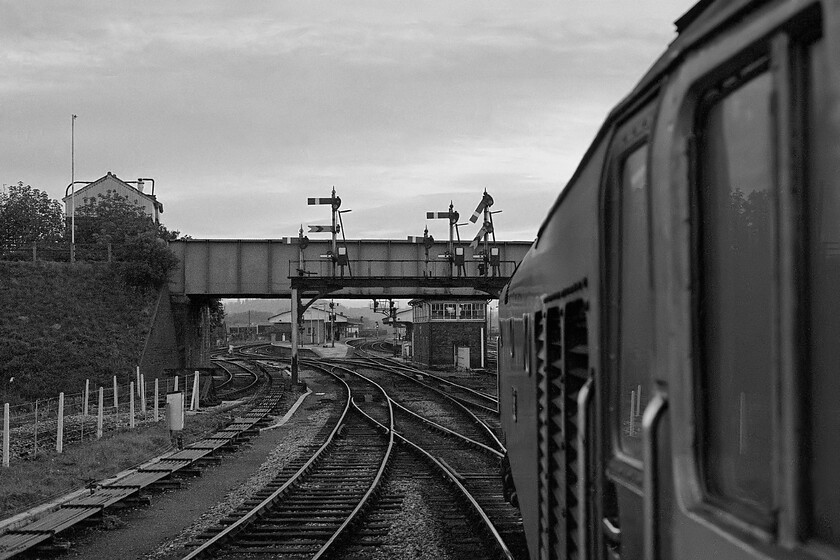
(61, 324)
(26, 484)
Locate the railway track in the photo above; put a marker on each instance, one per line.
(482, 405)
(452, 445)
(472, 460)
(240, 380)
(311, 510)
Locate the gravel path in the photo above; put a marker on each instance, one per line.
(175, 516)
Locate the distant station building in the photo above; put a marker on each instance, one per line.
(134, 191)
(316, 326)
(449, 333)
(403, 325)
(244, 332)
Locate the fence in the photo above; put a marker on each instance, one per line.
(32, 428)
(60, 251)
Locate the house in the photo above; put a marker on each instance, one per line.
(315, 327)
(133, 191)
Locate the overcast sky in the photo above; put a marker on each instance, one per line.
(242, 110)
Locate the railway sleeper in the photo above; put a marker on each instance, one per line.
(53, 546)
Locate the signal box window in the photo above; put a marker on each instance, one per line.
(636, 314)
(823, 206)
(736, 254)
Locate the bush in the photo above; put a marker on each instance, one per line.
(146, 261)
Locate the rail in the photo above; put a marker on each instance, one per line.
(451, 477)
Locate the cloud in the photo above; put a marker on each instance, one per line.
(241, 110)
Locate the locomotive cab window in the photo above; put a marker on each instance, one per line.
(736, 243)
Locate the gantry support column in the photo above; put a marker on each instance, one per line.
(295, 334)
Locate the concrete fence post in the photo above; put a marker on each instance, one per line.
(116, 401)
(6, 435)
(100, 413)
(59, 435)
(131, 405)
(194, 399)
(143, 395)
(35, 444)
(175, 390)
(87, 396)
(157, 417)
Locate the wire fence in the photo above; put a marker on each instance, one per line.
(60, 251)
(50, 424)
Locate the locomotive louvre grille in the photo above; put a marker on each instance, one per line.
(561, 369)
(576, 364)
(543, 468)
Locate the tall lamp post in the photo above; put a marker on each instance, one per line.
(73, 189)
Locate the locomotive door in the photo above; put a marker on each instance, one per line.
(754, 355)
(627, 385)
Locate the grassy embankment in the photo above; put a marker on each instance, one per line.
(61, 324)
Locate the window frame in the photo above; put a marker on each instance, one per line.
(800, 240)
(713, 94)
(631, 135)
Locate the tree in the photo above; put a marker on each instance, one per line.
(112, 219)
(139, 244)
(28, 215)
(146, 261)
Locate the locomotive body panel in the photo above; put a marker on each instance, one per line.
(563, 257)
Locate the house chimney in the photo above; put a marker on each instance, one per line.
(140, 185)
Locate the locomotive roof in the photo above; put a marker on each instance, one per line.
(693, 27)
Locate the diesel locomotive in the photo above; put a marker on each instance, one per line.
(669, 353)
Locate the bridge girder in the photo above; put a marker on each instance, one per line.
(270, 268)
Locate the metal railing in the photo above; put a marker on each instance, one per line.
(440, 268)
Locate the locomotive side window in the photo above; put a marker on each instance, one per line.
(823, 210)
(736, 195)
(635, 336)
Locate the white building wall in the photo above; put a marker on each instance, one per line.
(87, 193)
